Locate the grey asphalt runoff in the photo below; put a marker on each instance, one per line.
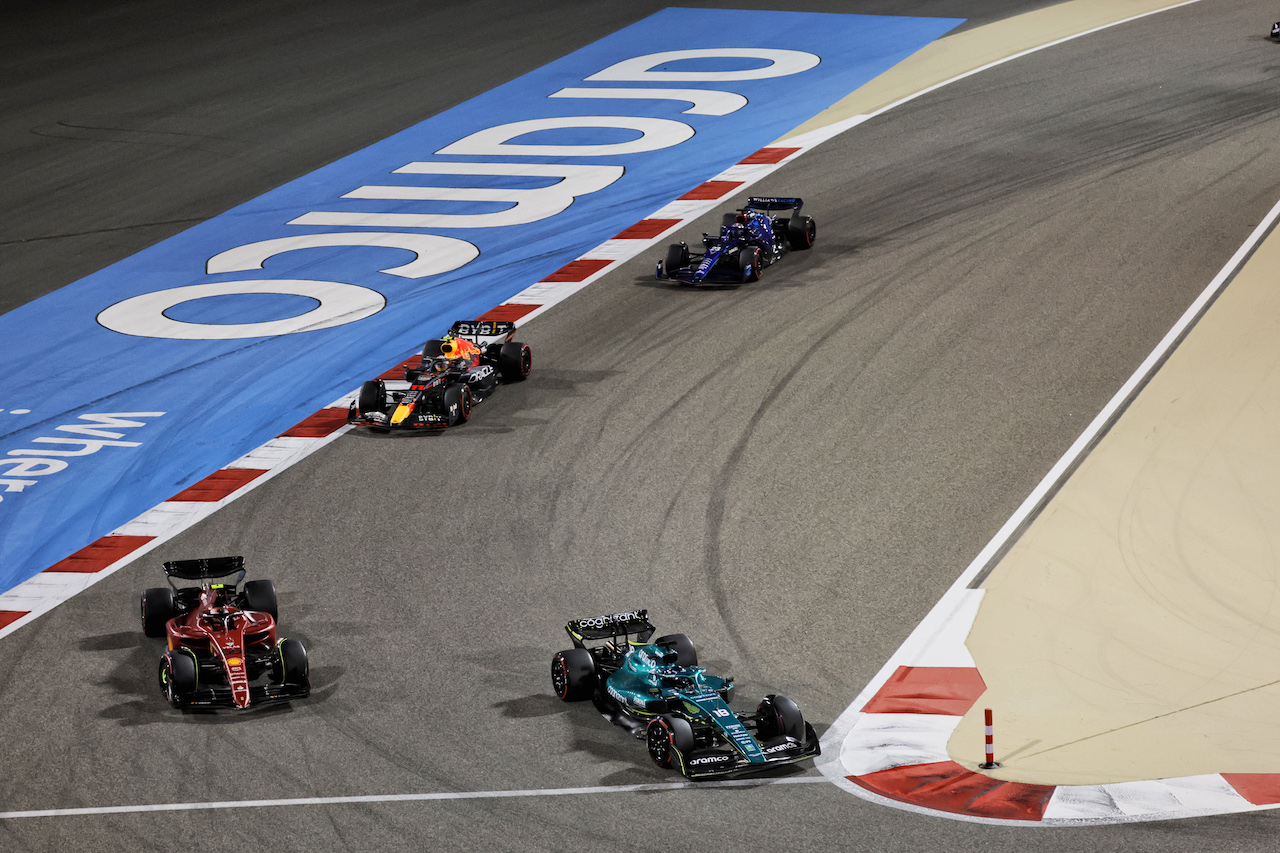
(791, 472)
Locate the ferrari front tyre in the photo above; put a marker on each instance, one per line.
(373, 397)
(686, 654)
(457, 404)
(677, 257)
(801, 232)
(178, 677)
(294, 668)
(777, 715)
(515, 360)
(261, 596)
(158, 607)
(749, 261)
(573, 675)
(669, 737)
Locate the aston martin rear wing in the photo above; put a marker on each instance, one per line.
(774, 203)
(613, 627)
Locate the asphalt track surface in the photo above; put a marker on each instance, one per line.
(791, 472)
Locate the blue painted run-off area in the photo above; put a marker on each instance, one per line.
(223, 397)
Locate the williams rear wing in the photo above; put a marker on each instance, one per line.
(772, 203)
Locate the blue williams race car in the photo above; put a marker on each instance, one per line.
(656, 690)
(750, 240)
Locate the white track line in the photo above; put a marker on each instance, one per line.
(412, 798)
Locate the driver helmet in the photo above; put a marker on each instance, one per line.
(450, 347)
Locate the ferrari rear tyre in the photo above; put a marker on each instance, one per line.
(682, 646)
(158, 607)
(515, 360)
(801, 232)
(261, 596)
(677, 257)
(457, 404)
(178, 677)
(294, 668)
(373, 397)
(750, 259)
(668, 737)
(778, 715)
(573, 675)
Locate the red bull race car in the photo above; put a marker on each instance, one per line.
(750, 240)
(656, 690)
(223, 651)
(457, 372)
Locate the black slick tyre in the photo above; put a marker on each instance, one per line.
(777, 715)
(373, 397)
(261, 596)
(573, 675)
(178, 677)
(293, 667)
(457, 404)
(687, 655)
(749, 262)
(158, 608)
(677, 257)
(668, 737)
(801, 232)
(515, 360)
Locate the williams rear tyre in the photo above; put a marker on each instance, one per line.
(158, 607)
(801, 232)
(373, 397)
(573, 675)
(515, 360)
(687, 655)
(750, 260)
(457, 404)
(292, 666)
(669, 738)
(677, 257)
(777, 715)
(261, 596)
(178, 677)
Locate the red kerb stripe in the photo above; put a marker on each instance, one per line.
(508, 312)
(578, 270)
(219, 484)
(710, 190)
(1261, 789)
(322, 423)
(98, 555)
(647, 229)
(768, 155)
(948, 787)
(8, 617)
(928, 690)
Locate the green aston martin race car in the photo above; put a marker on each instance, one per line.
(656, 690)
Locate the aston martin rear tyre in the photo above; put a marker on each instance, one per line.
(682, 646)
(573, 675)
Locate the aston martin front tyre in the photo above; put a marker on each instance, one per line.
(668, 737)
(573, 675)
(777, 715)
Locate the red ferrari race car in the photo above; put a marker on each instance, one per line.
(223, 651)
(457, 372)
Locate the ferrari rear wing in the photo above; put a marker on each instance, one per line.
(205, 569)
(772, 203)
